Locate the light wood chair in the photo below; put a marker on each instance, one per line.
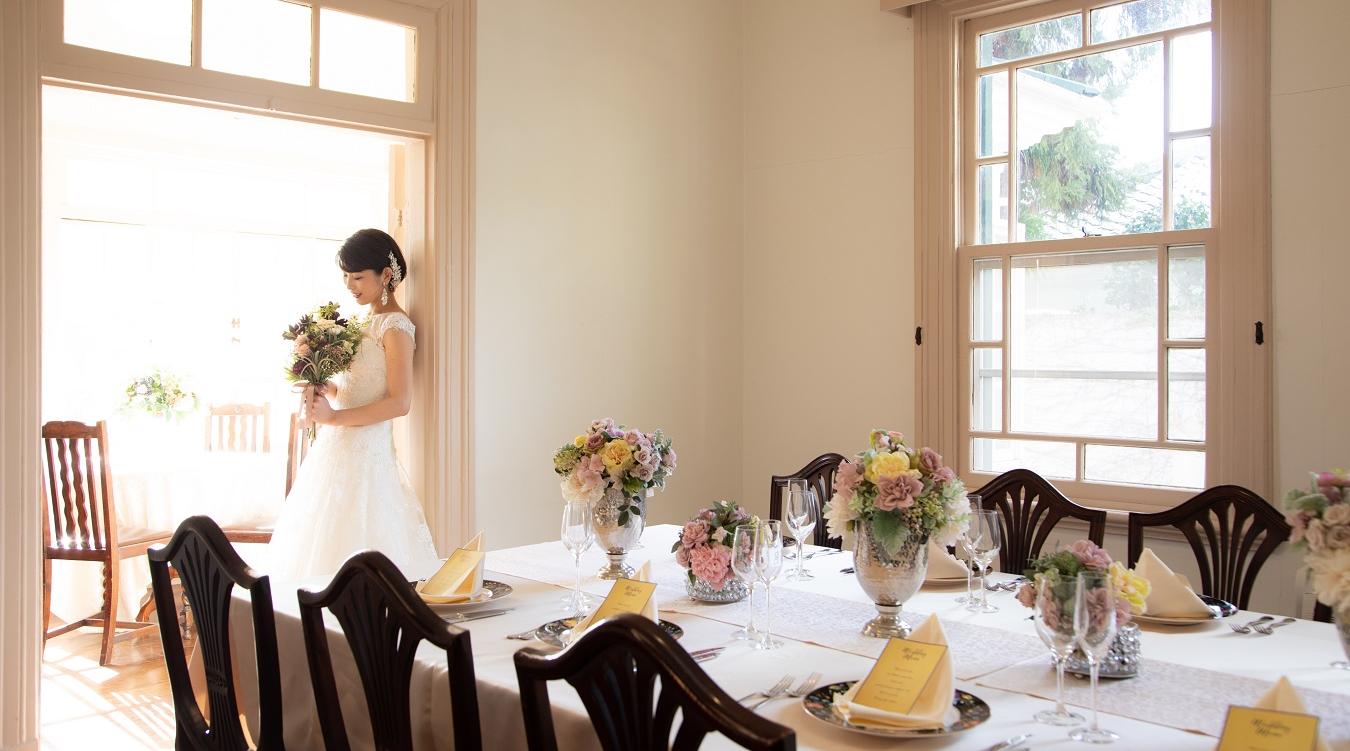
(297, 448)
(80, 522)
(239, 427)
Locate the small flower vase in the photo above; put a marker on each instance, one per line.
(1122, 661)
(614, 538)
(733, 590)
(888, 579)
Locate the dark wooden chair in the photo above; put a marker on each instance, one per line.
(1030, 507)
(614, 668)
(79, 522)
(239, 427)
(819, 474)
(1232, 532)
(384, 621)
(209, 569)
(1322, 612)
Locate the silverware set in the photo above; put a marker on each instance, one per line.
(1260, 625)
(703, 655)
(474, 615)
(1008, 586)
(781, 689)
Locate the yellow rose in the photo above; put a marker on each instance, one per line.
(617, 456)
(579, 441)
(887, 465)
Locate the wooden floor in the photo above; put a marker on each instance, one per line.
(125, 705)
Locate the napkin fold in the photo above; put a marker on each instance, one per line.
(1171, 595)
(1283, 698)
(459, 578)
(943, 565)
(933, 709)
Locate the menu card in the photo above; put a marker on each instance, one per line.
(900, 675)
(626, 596)
(1252, 729)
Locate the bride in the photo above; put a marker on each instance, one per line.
(351, 493)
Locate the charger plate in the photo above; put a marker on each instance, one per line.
(820, 704)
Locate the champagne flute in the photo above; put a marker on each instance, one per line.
(799, 506)
(987, 538)
(965, 545)
(577, 537)
(1054, 624)
(768, 564)
(1094, 628)
(743, 564)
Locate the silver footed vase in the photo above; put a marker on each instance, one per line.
(889, 580)
(614, 538)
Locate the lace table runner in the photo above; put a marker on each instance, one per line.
(1164, 693)
(804, 616)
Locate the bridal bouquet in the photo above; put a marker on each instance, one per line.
(1060, 569)
(160, 394)
(1320, 517)
(323, 344)
(704, 547)
(900, 492)
(610, 455)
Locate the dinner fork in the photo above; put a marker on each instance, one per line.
(1246, 628)
(769, 692)
(806, 686)
(1265, 628)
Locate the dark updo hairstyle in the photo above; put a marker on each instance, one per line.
(368, 250)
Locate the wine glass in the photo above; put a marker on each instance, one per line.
(577, 537)
(985, 540)
(1054, 624)
(965, 546)
(1094, 628)
(768, 563)
(799, 506)
(743, 564)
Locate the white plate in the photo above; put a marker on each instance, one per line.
(492, 591)
(1174, 621)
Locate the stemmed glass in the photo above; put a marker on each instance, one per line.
(768, 563)
(1094, 628)
(799, 506)
(1054, 624)
(743, 564)
(965, 546)
(985, 540)
(577, 537)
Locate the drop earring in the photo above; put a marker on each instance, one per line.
(384, 296)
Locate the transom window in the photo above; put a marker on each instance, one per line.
(1085, 221)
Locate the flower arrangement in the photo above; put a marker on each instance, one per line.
(1059, 569)
(1320, 517)
(160, 394)
(704, 547)
(610, 455)
(323, 344)
(900, 492)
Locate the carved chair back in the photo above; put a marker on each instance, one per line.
(819, 475)
(1029, 508)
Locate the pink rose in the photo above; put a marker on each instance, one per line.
(1299, 521)
(595, 440)
(669, 458)
(1049, 610)
(1027, 595)
(846, 479)
(682, 557)
(632, 437)
(930, 460)
(695, 533)
(1099, 605)
(1091, 556)
(944, 475)
(711, 564)
(897, 492)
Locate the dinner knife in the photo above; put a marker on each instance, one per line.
(1011, 743)
(475, 615)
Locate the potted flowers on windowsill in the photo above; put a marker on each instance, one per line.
(704, 549)
(614, 469)
(1320, 517)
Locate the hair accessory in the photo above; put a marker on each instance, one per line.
(398, 273)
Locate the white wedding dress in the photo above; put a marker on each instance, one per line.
(350, 493)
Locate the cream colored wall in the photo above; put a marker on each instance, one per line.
(608, 245)
(828, 232)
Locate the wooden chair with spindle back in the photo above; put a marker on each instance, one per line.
(239, 427)
(1029, 507)
(819, 475)
(614, 668)
(80, 522)
(209, 569)
(384, 621)
(1232, 532)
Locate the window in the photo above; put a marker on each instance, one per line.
(1085, 251)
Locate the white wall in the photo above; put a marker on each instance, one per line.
(608, 245)
(828, 232)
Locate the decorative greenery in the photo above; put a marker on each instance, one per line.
(324, 344)
(160, 394)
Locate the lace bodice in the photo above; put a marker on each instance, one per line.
(367, 381)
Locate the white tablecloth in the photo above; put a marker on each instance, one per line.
(1302, 651)
(161, 478)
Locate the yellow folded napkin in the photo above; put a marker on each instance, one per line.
(1283, 698)
(614, 604)
(1171, 595)
(943, 565)
(932, 709)
(459, 578)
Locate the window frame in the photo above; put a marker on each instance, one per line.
(1237, 243)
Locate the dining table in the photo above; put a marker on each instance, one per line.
(1188, 675)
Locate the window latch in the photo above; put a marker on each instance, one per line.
(1260, 333)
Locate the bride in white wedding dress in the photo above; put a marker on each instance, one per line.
(350, 493)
